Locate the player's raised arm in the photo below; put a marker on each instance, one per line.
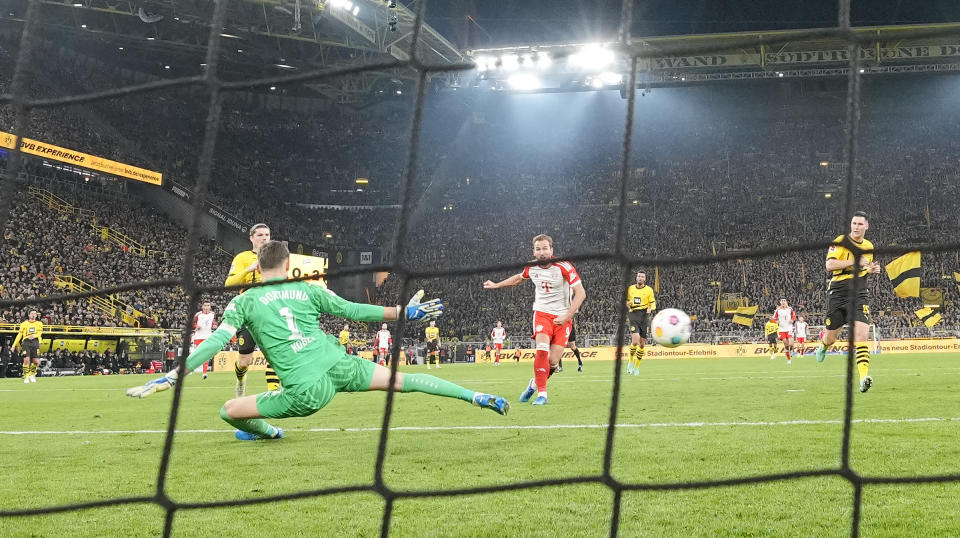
(505, 283)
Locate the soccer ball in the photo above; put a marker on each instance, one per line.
(671, 327)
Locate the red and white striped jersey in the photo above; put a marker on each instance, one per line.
(784, 318)
(383, 338)
(800, 329)
(553, 286)
(499, 334)
(203, 325)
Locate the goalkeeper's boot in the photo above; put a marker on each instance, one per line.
(241, 389)
(247, 436)
(489, 401)
(866, 383)
(541, 400)
(529, 392)
(821, 353)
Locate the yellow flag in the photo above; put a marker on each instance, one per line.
(904, 273)
(929, 316)
(744, 315)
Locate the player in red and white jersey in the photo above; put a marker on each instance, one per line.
(384, 340)
(204, 323)
(498, 335)
(553, 310)
(800, 332)
(785, 318)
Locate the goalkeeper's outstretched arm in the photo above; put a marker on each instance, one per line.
(202, 354)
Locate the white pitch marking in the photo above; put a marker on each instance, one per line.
(796, 390)
(526, 427)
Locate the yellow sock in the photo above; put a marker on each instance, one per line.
(640, 353)
(26, 371)
(863, 360)
(273, 382)
(633, 355)
(240, 371)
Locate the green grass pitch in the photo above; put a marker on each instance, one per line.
(72, 440)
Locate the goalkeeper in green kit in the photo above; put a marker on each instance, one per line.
(312, 366)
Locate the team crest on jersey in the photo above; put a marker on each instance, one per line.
(832, 248)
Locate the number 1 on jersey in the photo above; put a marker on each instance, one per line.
(291, 323)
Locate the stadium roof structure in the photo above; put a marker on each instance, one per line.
(693, 59)
(261, 38)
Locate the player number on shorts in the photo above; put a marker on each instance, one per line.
(291, 324)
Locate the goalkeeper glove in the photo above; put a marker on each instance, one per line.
(415, 310)
(157, 385)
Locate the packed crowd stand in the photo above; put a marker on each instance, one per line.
(696, 186)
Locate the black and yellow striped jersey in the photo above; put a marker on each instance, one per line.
(640, 298)
(238, 269)
(29, 330)
(770, 327)
(433, 334)
(344, 338)
(839, 252)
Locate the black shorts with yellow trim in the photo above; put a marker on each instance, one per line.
(838, 303)
(772, 339)
(31, 347)
(245, 343)
(638, 323)
(432, 346)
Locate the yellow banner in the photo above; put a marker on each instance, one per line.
(225, 360)
(83, 160)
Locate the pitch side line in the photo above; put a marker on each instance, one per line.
(518, 427)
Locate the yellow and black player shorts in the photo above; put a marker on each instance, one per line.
(772, 339)
(31, 348)
(638, 322)
(431, 346)
(838, 304)
(245, 343)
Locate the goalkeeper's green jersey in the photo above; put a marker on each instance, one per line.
(283, 319)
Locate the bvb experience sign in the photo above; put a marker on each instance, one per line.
(83, 160)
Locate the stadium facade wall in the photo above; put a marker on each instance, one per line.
(177, 209)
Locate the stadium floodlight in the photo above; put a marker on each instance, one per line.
(595, 82)
(592, 56)
(484, 63)
(348, 4)
(611, 78)
(524, 82)
(510, 62)
(542, 60)
(356, 9)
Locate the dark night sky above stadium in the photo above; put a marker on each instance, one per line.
(502, 22)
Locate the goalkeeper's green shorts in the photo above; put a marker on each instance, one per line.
(349, 374)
